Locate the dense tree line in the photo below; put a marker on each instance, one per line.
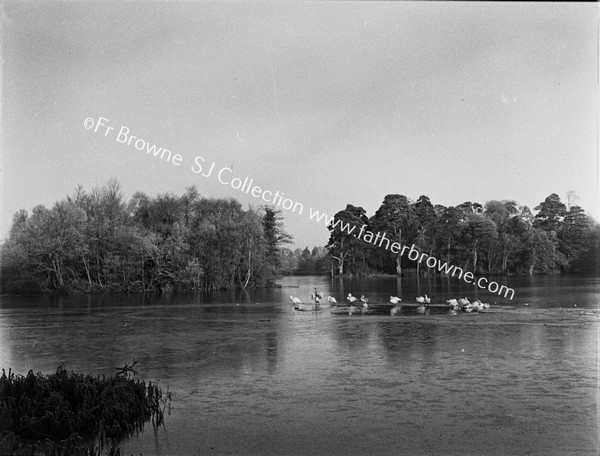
(96, 241)
(306, 262)
(500, 237)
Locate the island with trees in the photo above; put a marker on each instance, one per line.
(97, 242)
(499, 237)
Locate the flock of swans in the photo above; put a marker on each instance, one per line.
(466, 306)
(360, 305)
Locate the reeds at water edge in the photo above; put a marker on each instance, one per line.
(67, 413)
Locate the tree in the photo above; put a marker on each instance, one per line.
(511, 230)
(396, 218)
(275, 236)
(345, 248)
(50, 243)
(478, 233)
(550, 216)
(573, 239)
(426, 218)
(588, 261)
(448, 228)
(255, 251)
(542, 255)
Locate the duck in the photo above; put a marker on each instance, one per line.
(395, 299)
(427, 299)
(420, 299)
(463, 301)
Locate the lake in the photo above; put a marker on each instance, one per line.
(251, 376)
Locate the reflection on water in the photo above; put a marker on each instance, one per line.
(249, 375)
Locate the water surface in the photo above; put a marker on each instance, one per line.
(249, 375)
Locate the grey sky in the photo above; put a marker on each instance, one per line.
(331, 103)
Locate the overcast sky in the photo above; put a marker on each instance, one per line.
(329, 103)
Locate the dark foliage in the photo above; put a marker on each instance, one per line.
(95, 241)
(63, 413)
(500, 237)
(306, 262)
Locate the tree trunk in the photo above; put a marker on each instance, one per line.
(399, 258)
(340, 264)
(474, 258)
(428, 268)
(249, 272)
(58, 272)
(98, 270)
(87, 271)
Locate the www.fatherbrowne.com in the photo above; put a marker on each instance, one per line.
(430, 261)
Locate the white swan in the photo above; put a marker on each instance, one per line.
(365, 306)
(420, 299)
(350, 297)
(463, 301)
(295, 300)
(395, 299)
(331, 300)
(477, 305)
(427, 299)
(454, 306)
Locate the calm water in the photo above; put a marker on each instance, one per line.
(249, 375)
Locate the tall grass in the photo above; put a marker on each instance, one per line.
(65, 412)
